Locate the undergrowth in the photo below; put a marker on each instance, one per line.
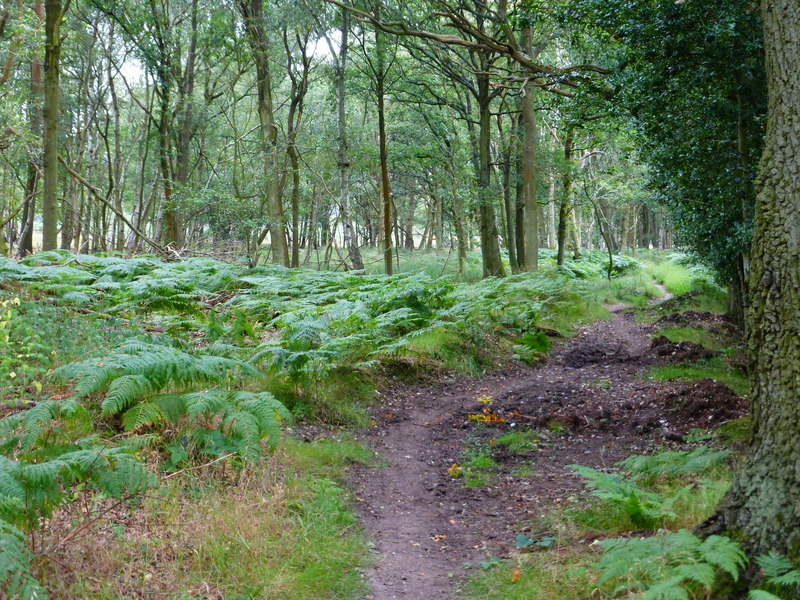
(154, 375)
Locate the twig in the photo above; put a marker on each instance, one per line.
(203, 466)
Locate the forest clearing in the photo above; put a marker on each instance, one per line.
(384, 301)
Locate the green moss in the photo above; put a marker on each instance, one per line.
(734, 431)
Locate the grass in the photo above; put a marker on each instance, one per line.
(636, 289)
(284, 531)
(520, 441)
(714, 368)
(614, 520)
(546, 575)
(695, 335)
(677, 278)
(478, 467)
(735, 431)
(568, 316)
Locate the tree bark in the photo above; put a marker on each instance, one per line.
(25, 246)
(531, 260)
(253, 14)
(762, 507)
(52, 53)
(507, 155)
(564, 209)
(386, 190)
(350, 242)
(490, 244)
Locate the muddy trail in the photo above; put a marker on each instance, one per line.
(588, 404)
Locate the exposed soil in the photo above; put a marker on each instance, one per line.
(680, 351)
(588, 405)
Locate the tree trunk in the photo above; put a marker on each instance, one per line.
(490, 244)
(531, 261)
(508, 153)
(762, 507)
(52, 52)
(386, 190)
(408, 225)
(564, 210)
(25, 246)
(253, 14)
(353, 251)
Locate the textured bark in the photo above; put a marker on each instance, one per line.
(295, 119)
(344, 162)
(531, 259)
(490, 244)
(565, 209)
(35, 118)
(762, 508)
(52, 53)
(508, 150)
(253, 14)
(386, 189)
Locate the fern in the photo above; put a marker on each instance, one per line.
(142, 368)
(780, 576)
(673, 464)
(646, 508)
(762, 595)
(667, 566)
(16, 579)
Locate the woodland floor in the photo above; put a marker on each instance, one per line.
(589, 404)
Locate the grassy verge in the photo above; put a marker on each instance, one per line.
(666, 491)
(283, 530)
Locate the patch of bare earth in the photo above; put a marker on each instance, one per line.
(589, 405)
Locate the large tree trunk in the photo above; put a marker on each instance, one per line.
(762, 507)
(52, 52)
(490, 244)
(531, 259)
(253, 14)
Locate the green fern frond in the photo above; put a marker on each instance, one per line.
(669, 589)
(173, 406)
(774, 564)
(16, 579)
(123, 391)
(206, 402)
(724, 553)
(143, 414)
(761, 595)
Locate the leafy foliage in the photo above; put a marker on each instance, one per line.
(675, 463)
(645, 508)
(149, 386)
(668, 566)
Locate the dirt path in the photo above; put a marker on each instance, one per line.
(426, 524)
